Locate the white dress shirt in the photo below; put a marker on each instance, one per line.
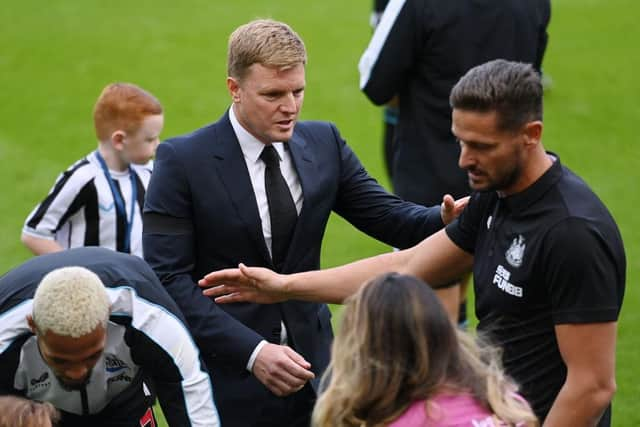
(251, 149)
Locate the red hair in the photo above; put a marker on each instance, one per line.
(123, 106)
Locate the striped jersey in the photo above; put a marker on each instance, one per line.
(80, 209)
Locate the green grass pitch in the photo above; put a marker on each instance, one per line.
(55, 57)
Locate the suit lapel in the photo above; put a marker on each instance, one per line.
(232, 170)
(305, 165)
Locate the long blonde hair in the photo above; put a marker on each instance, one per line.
(397, 345)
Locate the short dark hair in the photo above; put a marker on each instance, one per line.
(512, 89)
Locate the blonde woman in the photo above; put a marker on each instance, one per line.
(398, 361)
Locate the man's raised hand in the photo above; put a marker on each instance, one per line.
(450, 209)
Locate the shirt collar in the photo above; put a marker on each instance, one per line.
(523, 199)
(250, 145)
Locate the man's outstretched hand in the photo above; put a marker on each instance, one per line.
(263, 286)
(450, 209)
(245, 284)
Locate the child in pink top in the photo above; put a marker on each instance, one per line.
(398, 361)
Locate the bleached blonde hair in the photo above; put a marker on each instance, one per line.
(70, 301)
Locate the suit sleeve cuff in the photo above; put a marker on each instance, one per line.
(254, 355)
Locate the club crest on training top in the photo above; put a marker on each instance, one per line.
(515, 253)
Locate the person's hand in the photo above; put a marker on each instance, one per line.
(244, 284)
(281, 369)
(450, 209)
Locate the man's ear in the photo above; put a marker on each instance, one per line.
(118, 138)
(234, 89)
(32, 324)
(533, 133)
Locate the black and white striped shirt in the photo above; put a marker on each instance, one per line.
(80, 209)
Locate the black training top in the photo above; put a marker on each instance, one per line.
(549, 255)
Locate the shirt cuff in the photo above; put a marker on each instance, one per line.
(254, 355)
(40, 234)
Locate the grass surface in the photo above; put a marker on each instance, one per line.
(56, 57)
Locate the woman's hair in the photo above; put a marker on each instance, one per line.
(397, 345)
(19, 412)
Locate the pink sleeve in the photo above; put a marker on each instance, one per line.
(415, 415)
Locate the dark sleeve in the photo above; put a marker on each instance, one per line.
(379, 5)
(373, 210)
(376, 13)
(580, 273)
(9, 360)
(543, 34)
(390, 56)
(464, 230)
(169, 243)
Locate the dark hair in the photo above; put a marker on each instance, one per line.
(512, 89)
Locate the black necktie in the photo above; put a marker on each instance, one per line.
(282, 210)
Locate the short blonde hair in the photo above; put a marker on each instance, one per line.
(20, 412)
(123, 106)
(266, 42)
(70, 301)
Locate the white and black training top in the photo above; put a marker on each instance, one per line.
(80, 209)
(148, 349)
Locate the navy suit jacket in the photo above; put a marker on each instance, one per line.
(201, 215)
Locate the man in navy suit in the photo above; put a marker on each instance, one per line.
(210, 205)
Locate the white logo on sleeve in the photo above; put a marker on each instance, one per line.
(515, 253)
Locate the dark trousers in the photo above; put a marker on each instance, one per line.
(291, 411)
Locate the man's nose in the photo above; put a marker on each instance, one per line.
(466, 159)
(289, 103)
